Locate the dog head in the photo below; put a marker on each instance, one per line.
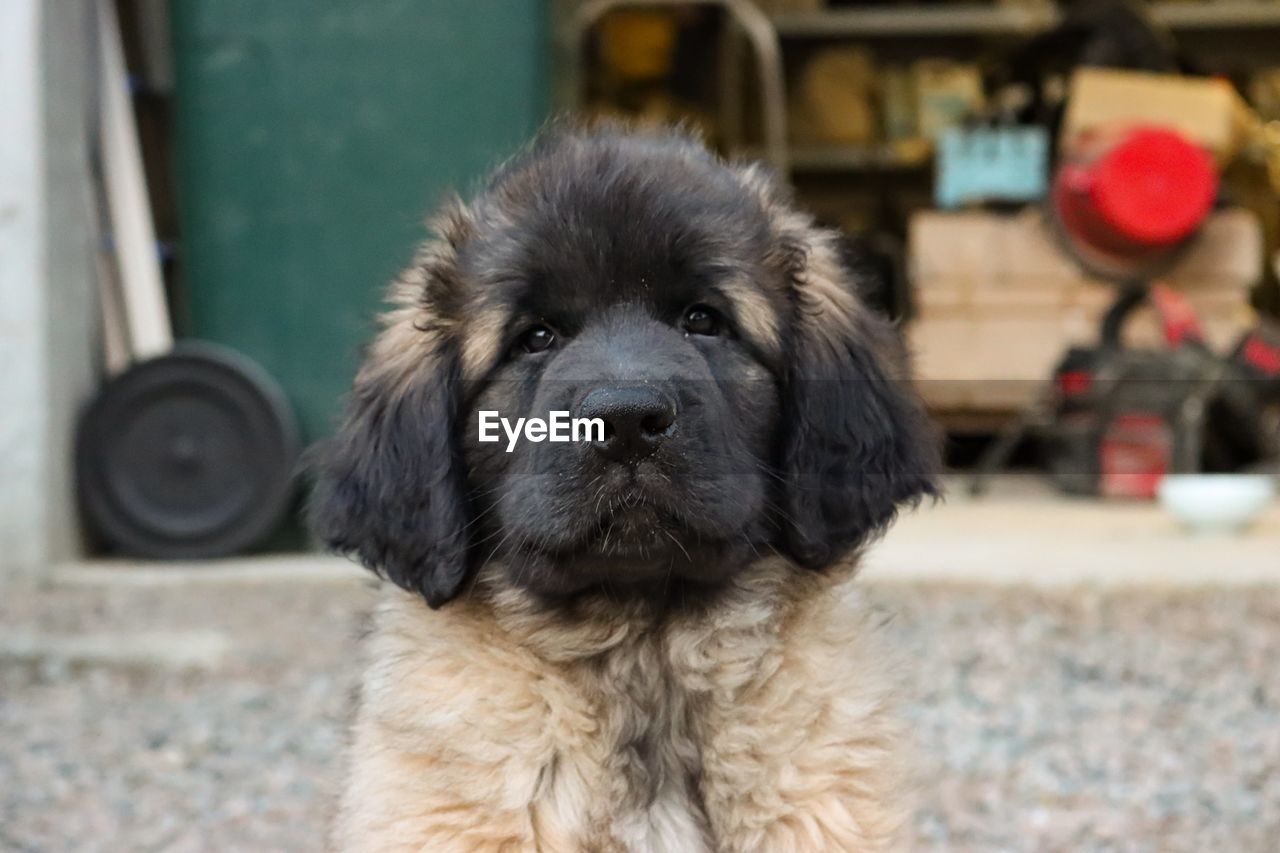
(742, 400)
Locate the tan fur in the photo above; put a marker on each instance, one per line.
(763, 723)
(825, 295)
(412, 333)
(760, 723)
(753, 311)
(482, 340)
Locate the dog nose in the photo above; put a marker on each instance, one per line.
(637, 418)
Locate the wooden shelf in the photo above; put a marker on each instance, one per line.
(946, 20)
(991, 19)
(851, 158)
(846, 158)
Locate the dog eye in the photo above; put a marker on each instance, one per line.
(537, 339)
(702, 320)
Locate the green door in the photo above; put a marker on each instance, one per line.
(314, 136)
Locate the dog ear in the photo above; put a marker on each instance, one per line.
(390, 487)
(857, 442)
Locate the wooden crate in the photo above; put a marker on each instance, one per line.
(998, 303)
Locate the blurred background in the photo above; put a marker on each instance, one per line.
(1071, 211)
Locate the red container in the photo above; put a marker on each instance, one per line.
(1135, 192)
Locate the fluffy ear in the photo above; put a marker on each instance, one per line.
(390, 487)
(858, 443)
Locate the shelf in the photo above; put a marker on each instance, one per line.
(846, 158)
(851, 158)
(1218, 16)
(924, 20)
(990, 19)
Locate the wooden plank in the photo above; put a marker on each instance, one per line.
(142, 286)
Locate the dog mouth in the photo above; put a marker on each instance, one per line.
(633, 539)
(638, 530)
(630, 527)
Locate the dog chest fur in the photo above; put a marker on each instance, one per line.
(760, 723)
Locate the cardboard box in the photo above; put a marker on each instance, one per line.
(835, 99)
(1206, 110)
(1224, 316)
(977, 250)
(1228, 253)
(968, 359)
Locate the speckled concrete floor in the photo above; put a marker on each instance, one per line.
(1047, 720)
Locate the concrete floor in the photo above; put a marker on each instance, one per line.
(1085, 676)
(1025, 532)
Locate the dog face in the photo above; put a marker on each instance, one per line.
(749, 403)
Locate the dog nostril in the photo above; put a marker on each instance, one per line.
(657, 423)
(637, 419)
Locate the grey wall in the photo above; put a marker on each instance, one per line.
(48, 311)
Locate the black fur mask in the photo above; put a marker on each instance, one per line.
(752, 404)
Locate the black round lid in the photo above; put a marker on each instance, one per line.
(190, 454)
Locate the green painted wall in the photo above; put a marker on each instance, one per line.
(313, 137)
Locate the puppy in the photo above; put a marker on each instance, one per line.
(645, 641)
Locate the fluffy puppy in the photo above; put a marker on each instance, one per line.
(644, 641)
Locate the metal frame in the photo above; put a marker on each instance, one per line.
(751, 23)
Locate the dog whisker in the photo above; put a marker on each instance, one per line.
(676, 541)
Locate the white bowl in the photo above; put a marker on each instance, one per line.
(1216, 503)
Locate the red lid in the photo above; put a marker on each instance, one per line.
(1154, 187)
